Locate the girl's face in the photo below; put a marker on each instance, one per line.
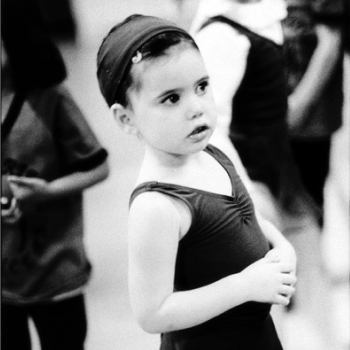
(173, 109)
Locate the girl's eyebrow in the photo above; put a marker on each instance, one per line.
(172, 91)
(206, 77)
(168, 92)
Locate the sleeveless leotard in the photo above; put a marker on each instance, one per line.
(223, 239)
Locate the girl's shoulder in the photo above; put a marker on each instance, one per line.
(150, 210)
(149, 202)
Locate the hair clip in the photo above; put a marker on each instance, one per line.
(137, 58)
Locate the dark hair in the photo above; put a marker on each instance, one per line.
(156, 47)
(150, 36)
(34, 59)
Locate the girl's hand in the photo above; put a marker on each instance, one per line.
(285, 254)
(28, 190)
(270, 281)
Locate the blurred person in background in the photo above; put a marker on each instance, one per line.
(49, 156)
(336, 230)
(314, 34)
(313, 52)
(242, 46)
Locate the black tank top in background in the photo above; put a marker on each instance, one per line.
(261, 99)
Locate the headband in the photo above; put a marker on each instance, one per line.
(121, 45)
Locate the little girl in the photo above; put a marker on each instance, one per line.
(201, 271)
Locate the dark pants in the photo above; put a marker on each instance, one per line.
(312, 158)
(60, 325)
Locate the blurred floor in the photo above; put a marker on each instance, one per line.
(111, 324)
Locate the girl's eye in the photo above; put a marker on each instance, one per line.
(171, 99)
(202, 87)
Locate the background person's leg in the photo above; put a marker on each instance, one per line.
(14, 328)
(61, 325)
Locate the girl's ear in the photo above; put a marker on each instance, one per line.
(123, 117)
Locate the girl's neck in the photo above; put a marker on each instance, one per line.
(198, 171)
(163, 167)
(163, 160)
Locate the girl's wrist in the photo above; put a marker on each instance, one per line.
(243, 279)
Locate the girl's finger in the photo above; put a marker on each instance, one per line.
(287, 290)
(282, 300)
(286, 268)
(289, 279)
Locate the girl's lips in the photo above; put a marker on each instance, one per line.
(199, 133)
(199, 129)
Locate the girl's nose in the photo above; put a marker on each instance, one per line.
(195, 108)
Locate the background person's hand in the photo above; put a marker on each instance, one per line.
(28, 190)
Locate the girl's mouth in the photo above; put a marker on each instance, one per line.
(199, 129)
(199, 133)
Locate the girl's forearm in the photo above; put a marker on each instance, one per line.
(186, 309)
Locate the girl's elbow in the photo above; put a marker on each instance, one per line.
(154, 325)
(148, 326)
